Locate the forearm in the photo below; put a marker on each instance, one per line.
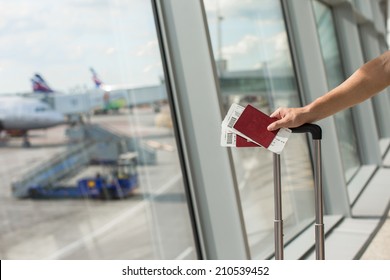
(367, 81)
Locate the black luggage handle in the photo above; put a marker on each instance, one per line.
(315, 130)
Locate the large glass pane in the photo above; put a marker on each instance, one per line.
(107, 182)
(250, 44)
(334, 72)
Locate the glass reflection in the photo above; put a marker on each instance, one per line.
(334, 72)
(106, 183)
(254, 65)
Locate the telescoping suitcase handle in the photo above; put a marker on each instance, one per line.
(316, 133)
(313, 129)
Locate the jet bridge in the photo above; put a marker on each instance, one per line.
(95, 100)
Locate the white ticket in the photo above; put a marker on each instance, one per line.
(232, 115)
(231, 118)
(230, 139)
(280, 140)
(229, 133)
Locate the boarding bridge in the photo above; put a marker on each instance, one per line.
(97, 146)
(86, 102)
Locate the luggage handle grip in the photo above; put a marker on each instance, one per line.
(315, 130)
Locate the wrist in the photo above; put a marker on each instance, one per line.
(309, 113)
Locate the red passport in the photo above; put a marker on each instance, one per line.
(253, 124)
(242, 142)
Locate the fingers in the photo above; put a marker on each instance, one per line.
(289, 117)
(276, 113)
(275, 125)
(284, 118)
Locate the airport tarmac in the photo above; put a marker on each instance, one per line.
(139, 227)
(154, 222)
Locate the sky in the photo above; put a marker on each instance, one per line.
(253, 33)
(62, 39)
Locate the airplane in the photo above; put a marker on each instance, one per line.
(18, 115)
(39, 85)
(120, 96)
(114, 98)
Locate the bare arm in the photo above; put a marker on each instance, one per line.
(367, 81)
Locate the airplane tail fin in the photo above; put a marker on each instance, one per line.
(39, 84)
(95, 78)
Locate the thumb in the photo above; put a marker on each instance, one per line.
(274, 126)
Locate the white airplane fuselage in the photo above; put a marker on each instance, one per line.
(20, 113)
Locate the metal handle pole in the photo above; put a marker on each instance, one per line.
(319, 226)
(316, 133)
(278, 222)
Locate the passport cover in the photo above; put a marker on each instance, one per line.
(242, 142)
(253, 123)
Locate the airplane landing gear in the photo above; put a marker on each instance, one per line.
(26, 141)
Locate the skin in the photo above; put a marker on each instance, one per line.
(367, 81)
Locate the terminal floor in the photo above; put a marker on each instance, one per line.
(379, 248)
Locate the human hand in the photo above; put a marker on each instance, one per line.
(288, 118)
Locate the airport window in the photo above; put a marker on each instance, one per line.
(104, 182)
(335, 76)
(254, 64)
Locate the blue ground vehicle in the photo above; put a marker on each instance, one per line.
(119, 183)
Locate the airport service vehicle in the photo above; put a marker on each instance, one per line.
(120, 182)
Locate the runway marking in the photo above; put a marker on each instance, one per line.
(160, 146)
(139, 206)
(243, 183)
(184, 254)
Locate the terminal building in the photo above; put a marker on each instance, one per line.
(194, 199)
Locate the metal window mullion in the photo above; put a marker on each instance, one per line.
(212, 180)
(177, 124)
(307, 51)
(352, 57)
(371, 48)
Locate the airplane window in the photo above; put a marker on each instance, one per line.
(107, 184)
(40, 109)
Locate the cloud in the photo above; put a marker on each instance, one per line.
(251, 51)
(62, 39)
(264, 9)
(253, 33)
(247, 45)
(14, 17)
(89, 3)
(156, 66)
(150, 48)
(110, 50)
